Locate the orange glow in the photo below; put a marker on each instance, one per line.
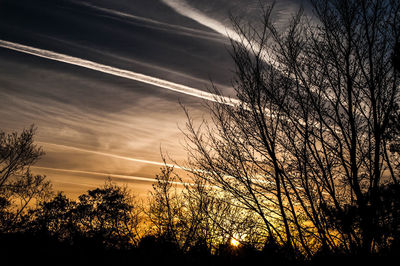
(234, 242)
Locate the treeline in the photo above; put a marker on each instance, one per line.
(180, 223)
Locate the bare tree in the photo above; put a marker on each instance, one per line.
(18, 186)
(307, 150)
(17, 153)
(174, 217)
(192, 216)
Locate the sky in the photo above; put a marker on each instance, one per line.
(104, 81)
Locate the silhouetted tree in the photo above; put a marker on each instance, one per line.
(310, 132)
(192, 214)
(104, 217)
(172, 215)
(18, 186)
(221, 217)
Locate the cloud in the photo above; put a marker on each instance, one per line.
(111, 155)
(117, 72)
(159, 24)
(185, 9)
(284, 10)
(130, 177)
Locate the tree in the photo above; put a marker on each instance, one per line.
(18, 186)
(53, 218)
(191, 216)
(308, 142)
(103, 215)
(168, 211)
(101, 218)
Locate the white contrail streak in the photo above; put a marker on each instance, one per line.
(184, 9)
(118, 72)
(112, 155)
(130, 177)
(125, 158)
(178, 29)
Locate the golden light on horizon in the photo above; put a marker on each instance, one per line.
(234, 242)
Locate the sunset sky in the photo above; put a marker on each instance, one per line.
(102, 80)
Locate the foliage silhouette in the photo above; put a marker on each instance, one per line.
(19, 188)
(101, 217)
(101, 228)
(312, 139)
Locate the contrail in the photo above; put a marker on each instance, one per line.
(184, 9)
(112, 155)
(178, 29)
(130, 177)
(126, 158)
(118, 72)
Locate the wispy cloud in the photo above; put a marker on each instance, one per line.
(117, 72)
(176, 28)
(185, 9)
(125, 177)
(130, 177)
(111, 155)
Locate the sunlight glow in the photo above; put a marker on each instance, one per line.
(234, 242)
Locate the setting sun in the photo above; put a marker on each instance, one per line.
(234, 242)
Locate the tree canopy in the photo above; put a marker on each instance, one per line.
(308, 149)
